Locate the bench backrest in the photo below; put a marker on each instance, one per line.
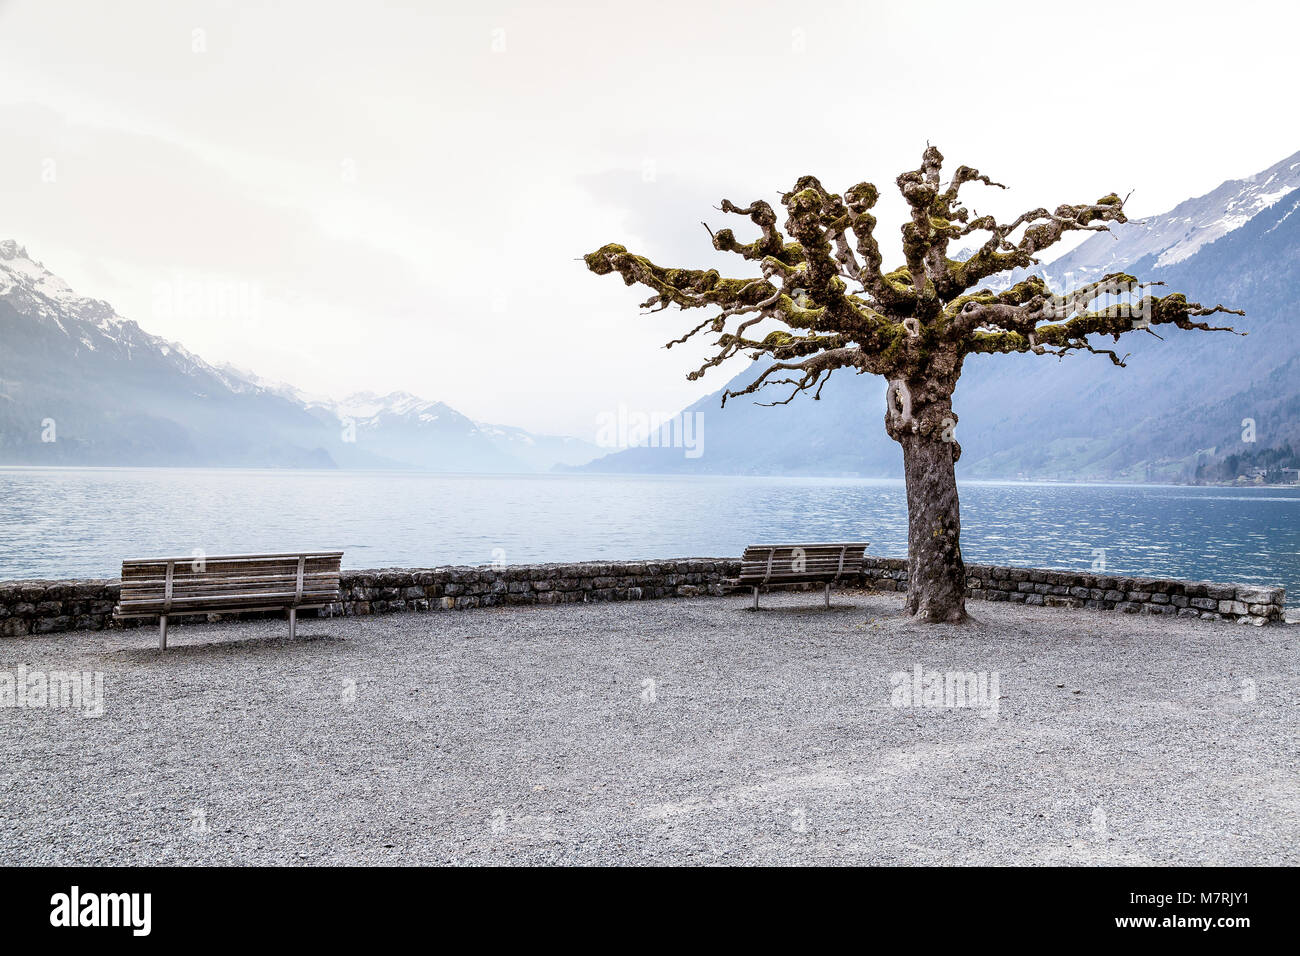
(790, 563)
(231, 581)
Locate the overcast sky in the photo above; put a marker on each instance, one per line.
(383, 196)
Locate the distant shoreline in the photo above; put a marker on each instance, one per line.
(569, 473)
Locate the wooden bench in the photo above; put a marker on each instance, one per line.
(766, 564)
(169, 587)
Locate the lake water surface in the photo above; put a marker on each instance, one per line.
(81, 522)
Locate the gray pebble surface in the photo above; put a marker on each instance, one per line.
(679, 731)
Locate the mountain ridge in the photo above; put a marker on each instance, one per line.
(80, 384)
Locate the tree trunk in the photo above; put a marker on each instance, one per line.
(936, 576)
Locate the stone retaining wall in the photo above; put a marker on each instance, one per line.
(42, 607)
(381, 592)
(1247, 604)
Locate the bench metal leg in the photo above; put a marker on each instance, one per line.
(293, 623)
(162, 633)
(756, 597)
(828, 594)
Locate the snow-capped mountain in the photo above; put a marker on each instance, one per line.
(25, 277)
(80, 384)
(89, 324)
(1160, 241)
(430, 435)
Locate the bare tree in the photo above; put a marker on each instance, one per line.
(836, 307)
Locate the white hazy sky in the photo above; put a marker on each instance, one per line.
(381, 196)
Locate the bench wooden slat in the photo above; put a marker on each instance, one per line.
(214, 593)
(180, 584)
(228, 574)
(187, 558)
(240, 608)
(218, 587)
(234, 571)
(232, 592)
(811, 544)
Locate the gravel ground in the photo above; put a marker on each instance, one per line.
(535, 735)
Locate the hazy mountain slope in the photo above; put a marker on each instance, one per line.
(1187, 393)
(430, 436)
(541, 452)
(843, 434)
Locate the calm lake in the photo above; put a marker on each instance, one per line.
(80, 522)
